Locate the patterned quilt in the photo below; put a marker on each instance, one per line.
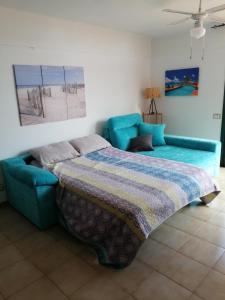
(114, 199)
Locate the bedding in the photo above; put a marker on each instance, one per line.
(54, 153)
(113, 199)
(90, 143)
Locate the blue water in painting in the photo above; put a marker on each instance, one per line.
(183, 91)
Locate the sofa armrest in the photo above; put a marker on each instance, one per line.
(32, 175)
(193, 143)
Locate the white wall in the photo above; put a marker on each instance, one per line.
(192, 116)
(116, 66)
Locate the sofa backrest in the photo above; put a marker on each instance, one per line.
(123, 128)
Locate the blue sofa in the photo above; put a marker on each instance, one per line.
(31, 190)
(200, 152)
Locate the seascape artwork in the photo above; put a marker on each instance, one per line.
(49, 93)
(182, 82)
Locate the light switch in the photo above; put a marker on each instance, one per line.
(217, 116)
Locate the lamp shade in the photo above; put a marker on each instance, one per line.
(152, 93)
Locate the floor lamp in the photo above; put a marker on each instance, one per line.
(152, 94)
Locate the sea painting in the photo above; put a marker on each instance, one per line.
(49, 93)
(182, 82)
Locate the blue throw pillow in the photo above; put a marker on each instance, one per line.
(156, 130)
(120, 138)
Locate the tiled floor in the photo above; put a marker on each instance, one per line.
(183, 259)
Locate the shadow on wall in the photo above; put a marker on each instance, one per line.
(100, 126)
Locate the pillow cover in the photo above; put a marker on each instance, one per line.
(54, 153)
(91, 143)
(156, 130)
(141, 143)
(121, 137)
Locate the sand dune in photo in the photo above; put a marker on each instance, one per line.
(59, 107)
(76, 104)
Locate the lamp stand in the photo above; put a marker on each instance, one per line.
(152, 108)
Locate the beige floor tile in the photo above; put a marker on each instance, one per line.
(67, 239)
(202, 251)
(170, 236)
(18, 276)
(155, 255)
(42, 289)
(199, 210)
(33, 242)
(213, 287)
(184, 222)
(8, 215)
(194, 297)
(17, 229)
(72, 243)
(51, 256)
(212, 233)
(57, 232)
(4, 241)
(219, 202)
(186, 271)
(101, 289)
(220, 265)
(72, 275)
(89, 255)
(158, 287)
(218, 219)
(131, 277)
(9, 255)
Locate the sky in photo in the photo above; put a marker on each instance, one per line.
(28, 75)
(179, 75)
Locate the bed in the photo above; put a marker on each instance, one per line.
(113, 199)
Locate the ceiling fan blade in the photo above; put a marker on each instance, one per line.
(215, 9)
(216, 19)
(180, 21)
(178, 12)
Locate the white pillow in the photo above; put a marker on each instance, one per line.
(90, 143)
(54, 153)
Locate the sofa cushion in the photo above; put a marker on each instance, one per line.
(87, 144)
(141, 143)
(121, 137)
(156, 130)
(193, 143)
(203, 159)
(124, 121)
(121, 129)
(54, 153)
(32, 175)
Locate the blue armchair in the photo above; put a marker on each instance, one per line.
(31, 190)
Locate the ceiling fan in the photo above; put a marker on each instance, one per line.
(198, 31)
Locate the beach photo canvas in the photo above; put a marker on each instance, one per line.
(49, 93)
(182, 82)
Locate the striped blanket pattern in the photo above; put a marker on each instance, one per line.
(114, 199)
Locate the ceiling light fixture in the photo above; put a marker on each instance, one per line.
(198, 31)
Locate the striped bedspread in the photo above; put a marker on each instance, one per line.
(114, 199)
